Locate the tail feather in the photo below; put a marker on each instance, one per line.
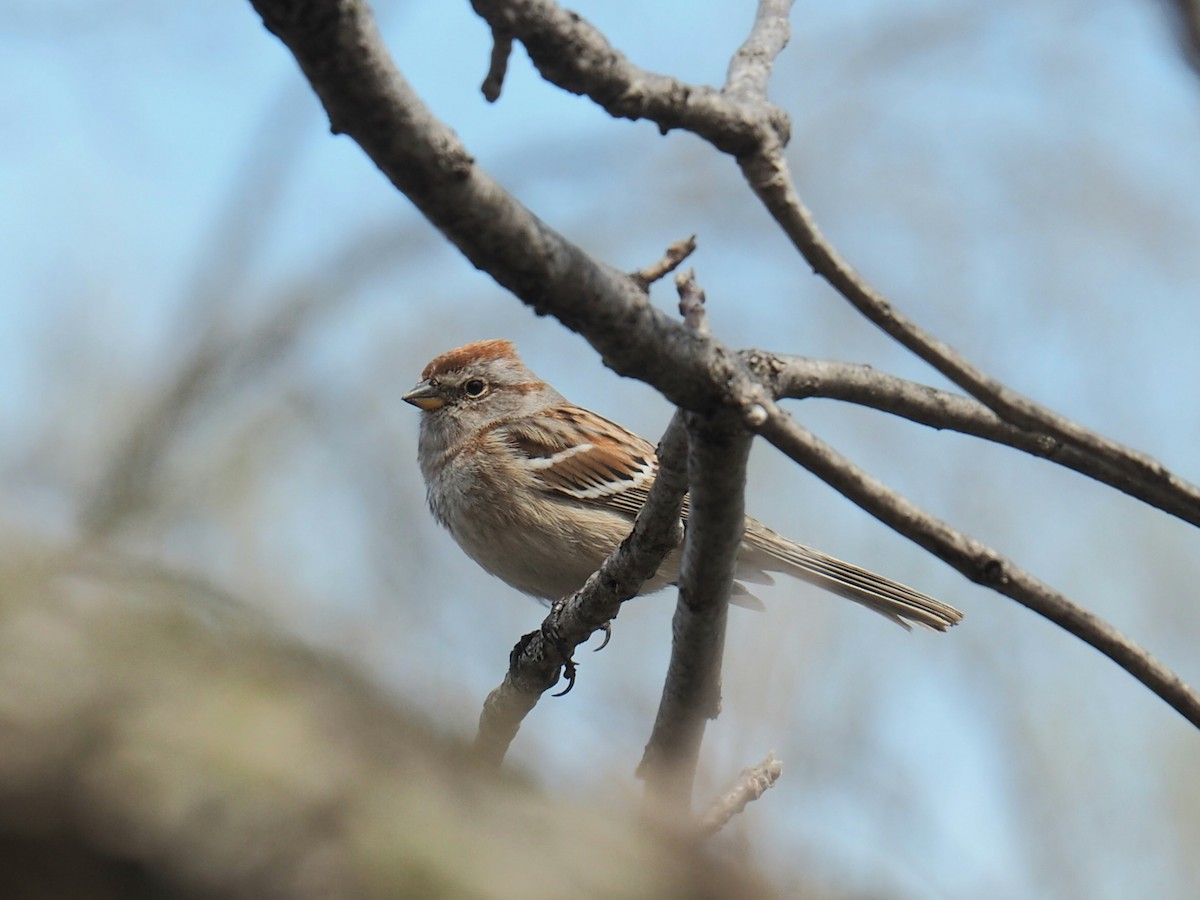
(771, 552)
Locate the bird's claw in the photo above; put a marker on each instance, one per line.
(569, 671)
(565, 650)
(570, 667)
(607, 629)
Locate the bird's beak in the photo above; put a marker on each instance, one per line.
(425, 396)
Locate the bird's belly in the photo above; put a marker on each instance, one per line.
(548, 552)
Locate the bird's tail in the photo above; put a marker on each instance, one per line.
(765, 551)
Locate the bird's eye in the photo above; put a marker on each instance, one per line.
(475, 387)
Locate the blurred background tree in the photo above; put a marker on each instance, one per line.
(210, 307)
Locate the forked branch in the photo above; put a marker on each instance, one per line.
(739, 121)
(339, 49)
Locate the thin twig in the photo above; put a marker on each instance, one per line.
(676, 254)
(225, 358)
(572, 53)
(502, 43)
(752, 783)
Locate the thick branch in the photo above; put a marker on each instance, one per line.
(717, 453)
(978, 562)
(536, 662)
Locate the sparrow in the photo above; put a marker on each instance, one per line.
(539, 491)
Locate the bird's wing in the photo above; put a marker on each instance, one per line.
(573, 451)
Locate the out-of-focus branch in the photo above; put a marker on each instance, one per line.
(159, 745)
(242, 226)
(1186, 21)
(538, 659)
(751, 784)
(224, 358)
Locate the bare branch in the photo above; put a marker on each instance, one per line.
(676, 254)
(340, 51)
(800, 377)
(978, 562)
(718, 448)
(751, 784)
(570, 52)
(750, 68)
(538, 659)
(768, 175)
(497, 67)
(740, 123)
